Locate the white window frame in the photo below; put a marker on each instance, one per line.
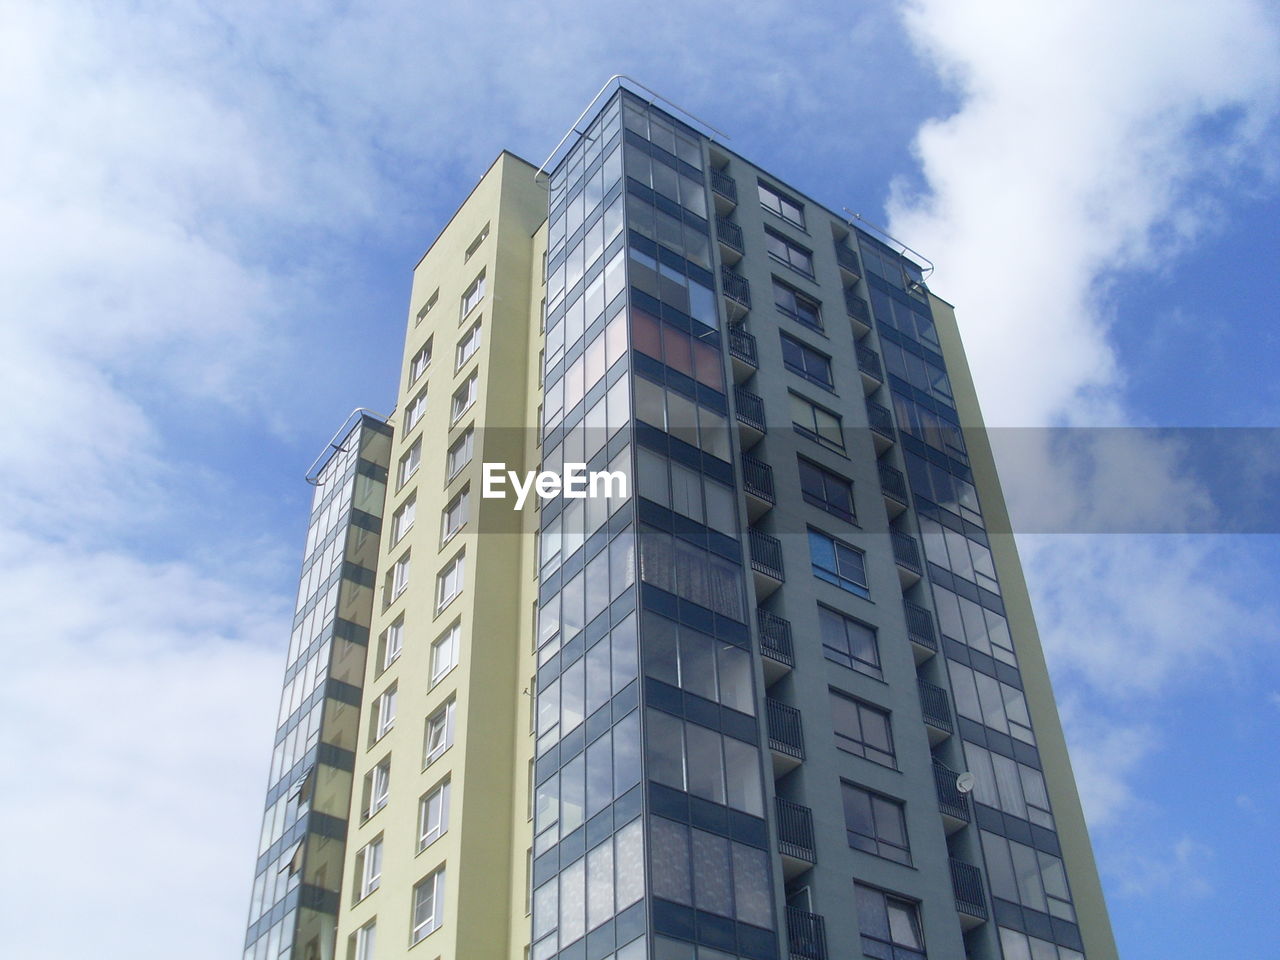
(454, 516)
(475, 244)
(400, 575)
(467, 347)
(392, 643)
(444, 652)
(466, 443)
(414, 411)
(402, 519)
(384, 713)
(454, 572)
(368, 868)
(464, 398)
(363, 940)
(420, 361)
(379, 786)
(421, 928)
(438, 736)
(432, 827)
(474, 296)
(410, 460)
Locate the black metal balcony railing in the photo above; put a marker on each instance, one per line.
(736, 288)
(724, 185)
(920, 625)
(950, 800)
(857, 307)
(757, 479)
(729, 233)
(892, 482)
(742, 345)
(966, 881)
(785, 732)
(847, 259)
(881, 419)
(749, 407)
(766, 554)
(795, 830)
(806, 935)
(935, 705)
(905, 551)
(775, 637)
(869, 362)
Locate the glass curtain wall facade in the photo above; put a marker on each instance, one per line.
(298, 875)
(649, 814)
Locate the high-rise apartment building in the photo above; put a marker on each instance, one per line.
(779, 695)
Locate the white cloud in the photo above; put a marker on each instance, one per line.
(1182, 871)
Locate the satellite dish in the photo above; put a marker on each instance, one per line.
(965, 782)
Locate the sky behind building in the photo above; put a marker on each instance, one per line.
(209, 220)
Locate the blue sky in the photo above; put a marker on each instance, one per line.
(209, 217)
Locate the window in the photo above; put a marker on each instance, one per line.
(431, 302)
(433, 815)
(474, 294)
(428, 905)
(409, 463)
(402, 519)
(827, 491)
(444, 652)
(464, 397)
(793, 255)
(377, 787)
(862, 729)
(414, 411)
(1019, 946)
(838, 563)
(384, 713)
(454, 515)
(399, 577)
(984, 699)
(475, 244)
(439, 735)
(849, 643)
(459, 454)
(362, 942)
(368, 868)
(964, 557)
(420, 361)
(875, 823)
(777, 202)
(1022, 874)
(806, 361)
(890, 926)
(449, 581)
(817, 423)
(467, 346)
(1003, 783)
(796, 305)
(391, 643)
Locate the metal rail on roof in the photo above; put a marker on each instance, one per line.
(888, 236)
(619, 77)
(313, 476)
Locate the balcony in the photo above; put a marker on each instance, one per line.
(847, 261)
(786, 736)
(742, 351)
(725, 190)
(737, 294)
(907, 556)
(729, 234)
(795, 837)
(806, 935)
(757, 483)
(953, 804)
(966, 881)
(776, 650)
(935, 707)
(881, 421)
(766, 561)
(750, 412)
(858, 312)
(924, 640)
(893, 487)
(869, 367)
